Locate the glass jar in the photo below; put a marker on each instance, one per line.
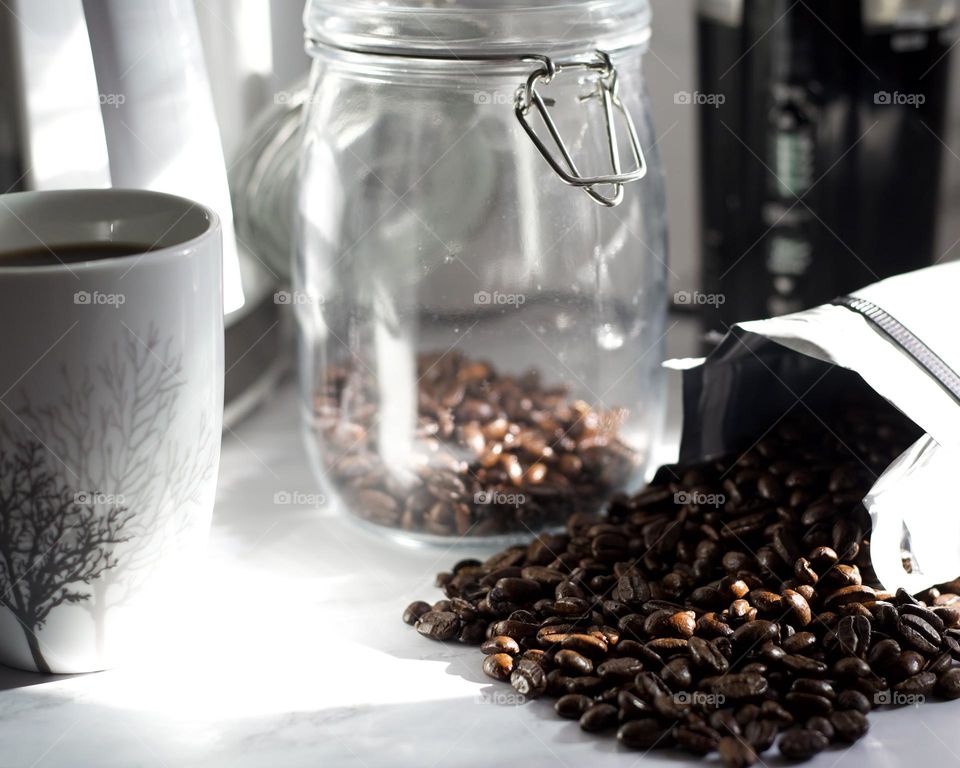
(480, 263)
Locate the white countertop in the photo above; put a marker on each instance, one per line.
(294, 655)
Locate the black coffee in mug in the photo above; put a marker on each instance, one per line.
(72, 253)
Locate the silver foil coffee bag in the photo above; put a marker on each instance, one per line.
(899, 337)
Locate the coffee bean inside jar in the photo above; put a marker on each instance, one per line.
(491, 454)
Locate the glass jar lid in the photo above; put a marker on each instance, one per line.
(490, 27)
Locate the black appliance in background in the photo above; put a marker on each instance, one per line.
(820, 169)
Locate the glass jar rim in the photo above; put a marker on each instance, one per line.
(458, 28)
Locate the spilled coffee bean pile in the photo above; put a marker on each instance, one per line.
(492, 453)
(726, 608)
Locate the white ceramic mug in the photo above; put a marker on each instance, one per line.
(111, 402)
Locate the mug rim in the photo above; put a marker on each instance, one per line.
(212, 226)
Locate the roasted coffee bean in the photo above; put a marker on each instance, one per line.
(949, 614)
(547, 577)
(871, 685)
(621, 668)
(438, 625)
(771, 652)
(724, 721)
(669, 623)
(473, 633)
(736, 753)
(519, 590)
(557, 681)
(849, 724)
(804, 572)
(765, 601)
(537, 655)
(668, 646)
(711, 625)
(650, 685)
(799, 609)
(930, 617)
(528, 678)
(747, 712)
(857, 593)
(736, 687)
(821, 724)
(633, 589)
(802, 744)
(807, 704)
(853, 635)
(644, 733)
(804, 665)
(706, 656)
(599, 717)
(850, 668)
(741, 609)
(951, 645)
(500, 644)
(724, 645)
(948, 684)
(589, 685)
(885, 615)
(631, 706)
(414, 611)
(771, 710)
(696, 737)
(573, 662)
(498, 666)
(823, 559)
(571, 606)
(817, 687)
(918, 634)
(566, 589)
(733, 588)
(518, 630)
(678, 673)
(761, 734)
(799, 642)
(920, 684)
(587, 645)
(754, 633)
(852, 699)
(671, 708)
(939, 664)
(903, 597)
(572, 706)
(883, 653)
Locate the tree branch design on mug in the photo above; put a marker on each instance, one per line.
(49, 543)
(111, 445)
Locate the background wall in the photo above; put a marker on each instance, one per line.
(260, 43)
(671, 67)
